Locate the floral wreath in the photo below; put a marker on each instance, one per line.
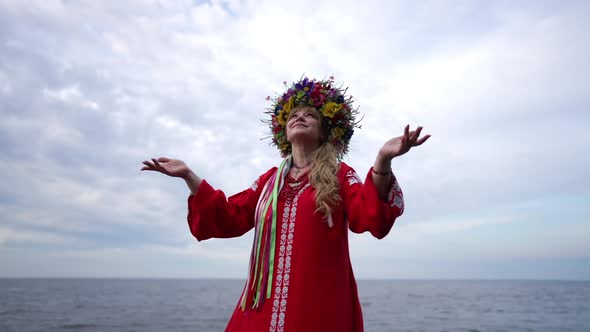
(334, 106)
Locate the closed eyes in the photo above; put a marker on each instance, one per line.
(296, 116)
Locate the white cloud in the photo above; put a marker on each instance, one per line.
(32, 237)
(498, 87)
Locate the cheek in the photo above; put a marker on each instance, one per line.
(318, 124)
(288, 130)
(318, 129)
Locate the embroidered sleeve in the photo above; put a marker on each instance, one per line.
(353, 178)
(254, 185)
(213, 215)
(395, 197)
(365, 210)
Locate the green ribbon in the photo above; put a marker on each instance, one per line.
(273, 230)
(258, 274)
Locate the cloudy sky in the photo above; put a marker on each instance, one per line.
(89, 89)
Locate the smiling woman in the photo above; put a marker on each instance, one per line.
(300, 276)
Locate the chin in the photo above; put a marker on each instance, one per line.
(303, 138)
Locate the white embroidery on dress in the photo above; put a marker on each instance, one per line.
(398, 201)
(395, 197)
(353, 178)
(280, 266)
(254, 185)
(279, 308)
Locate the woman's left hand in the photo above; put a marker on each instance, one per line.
(397, 146)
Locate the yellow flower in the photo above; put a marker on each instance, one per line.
(288, 105)
(282, 117)
(331, 108)
(338, 132)
(284, 146)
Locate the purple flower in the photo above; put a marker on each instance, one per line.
(305, 82)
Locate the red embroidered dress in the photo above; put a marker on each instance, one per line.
(313, 287)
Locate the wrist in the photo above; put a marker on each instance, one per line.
(383, 172)
(189, 176)
(382, 164)
(193, 181)
(384, 156)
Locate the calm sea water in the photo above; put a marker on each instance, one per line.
(205, 305)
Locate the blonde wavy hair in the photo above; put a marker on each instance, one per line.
(324, 179)
(323, 174)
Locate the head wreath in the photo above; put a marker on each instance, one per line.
(335, 108)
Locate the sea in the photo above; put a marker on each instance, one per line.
(200, 305)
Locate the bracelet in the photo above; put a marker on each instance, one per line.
(390, 172)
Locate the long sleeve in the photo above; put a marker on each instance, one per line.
(212, 215)
(364, 209)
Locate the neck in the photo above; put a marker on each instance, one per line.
(302, 154)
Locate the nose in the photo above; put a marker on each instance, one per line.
(297, 119)
(301, 120)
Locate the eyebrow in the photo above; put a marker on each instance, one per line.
(303, 112)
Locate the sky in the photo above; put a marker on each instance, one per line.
(90, 89)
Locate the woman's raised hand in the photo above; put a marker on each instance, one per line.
(170, 167)
(397, 146)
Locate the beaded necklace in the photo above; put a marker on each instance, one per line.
(292, 185)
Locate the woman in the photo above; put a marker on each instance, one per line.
(300, 276)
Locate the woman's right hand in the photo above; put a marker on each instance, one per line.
(170, 167)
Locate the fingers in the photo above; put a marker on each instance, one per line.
(157, 165)
(422, 140)
(412, 138)
(148, 166)
(164, 159)
(154, 165)
(415, 134)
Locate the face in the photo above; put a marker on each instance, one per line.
(304, 125)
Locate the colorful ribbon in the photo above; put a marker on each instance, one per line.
(263, 250)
